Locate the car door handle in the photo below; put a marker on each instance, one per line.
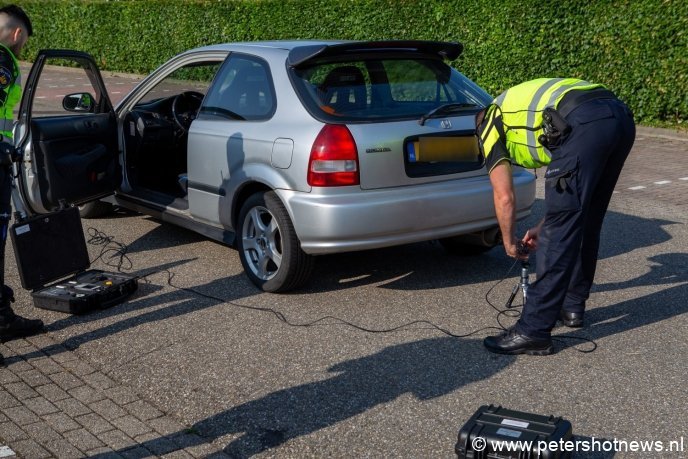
(89, 124)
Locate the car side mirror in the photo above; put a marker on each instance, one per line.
(81, 102)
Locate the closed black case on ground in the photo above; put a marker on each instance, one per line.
(496, 432)
(51, 247)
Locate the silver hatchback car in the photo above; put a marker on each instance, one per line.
(285, 149)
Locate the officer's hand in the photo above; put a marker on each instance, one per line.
(7, 153)
(516, 251)
(530, 240)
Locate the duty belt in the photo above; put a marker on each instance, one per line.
(576, 97)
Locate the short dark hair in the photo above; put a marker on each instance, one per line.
(17, 13)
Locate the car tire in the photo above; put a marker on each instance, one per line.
(94, 209)
(269, 249)
(458, 245)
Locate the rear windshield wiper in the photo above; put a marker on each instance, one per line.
(445, 109)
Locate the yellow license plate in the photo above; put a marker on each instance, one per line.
(446, 149)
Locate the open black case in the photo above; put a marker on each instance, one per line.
(52, 247)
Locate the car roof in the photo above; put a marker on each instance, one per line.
(286, 45)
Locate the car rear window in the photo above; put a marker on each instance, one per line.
(383, 89)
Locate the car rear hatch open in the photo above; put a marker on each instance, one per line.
(410, 114)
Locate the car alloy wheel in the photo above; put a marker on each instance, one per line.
(262, 243)
(268, 246)
(94, 209)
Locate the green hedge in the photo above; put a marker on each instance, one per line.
(637, 48)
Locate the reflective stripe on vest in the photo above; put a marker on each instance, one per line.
(14, 93)
(521, 110)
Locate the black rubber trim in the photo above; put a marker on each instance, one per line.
(303, 54)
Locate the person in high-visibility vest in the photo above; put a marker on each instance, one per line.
(15, 29)
(583, 133)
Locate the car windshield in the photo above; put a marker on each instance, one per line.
(383, 89)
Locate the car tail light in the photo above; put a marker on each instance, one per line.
(334, 158)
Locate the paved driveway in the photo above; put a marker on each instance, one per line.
(204, 363)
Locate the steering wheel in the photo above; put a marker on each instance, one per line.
(185, 108)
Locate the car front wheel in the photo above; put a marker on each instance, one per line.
(269, 249)
(95, 209)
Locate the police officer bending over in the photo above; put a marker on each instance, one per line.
(583, 133)
(15, 29)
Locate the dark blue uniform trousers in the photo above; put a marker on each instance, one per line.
(5, 212)
(579, 183)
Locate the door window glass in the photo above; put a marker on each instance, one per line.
(243, 90)
(74, 78)
(195, 77)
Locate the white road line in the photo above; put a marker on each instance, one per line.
(116, 92)
(6, 451)
(683, 178)
(40, 97)
(634, 188)
(662, 182)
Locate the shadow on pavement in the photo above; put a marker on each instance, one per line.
(426, 369)
(164, 236)
(668, 268)
(622, 233)
(631, 314)
(420, 266)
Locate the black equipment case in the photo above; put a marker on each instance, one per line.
(51, 247)
(491, 425)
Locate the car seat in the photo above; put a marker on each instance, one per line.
(343, 89)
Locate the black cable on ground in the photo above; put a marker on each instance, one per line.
(114, 254)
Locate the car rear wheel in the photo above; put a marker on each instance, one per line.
(269, 249)
(95, 209)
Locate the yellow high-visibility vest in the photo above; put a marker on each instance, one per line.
(13, 94)
(515, 118)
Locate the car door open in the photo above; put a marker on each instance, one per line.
(66, 135)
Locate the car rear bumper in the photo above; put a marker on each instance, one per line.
(344, 220)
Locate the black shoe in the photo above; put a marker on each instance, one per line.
(13, 326)
(512, 342)
(571, 319)
(19, 327)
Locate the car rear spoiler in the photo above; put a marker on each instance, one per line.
(445, 50)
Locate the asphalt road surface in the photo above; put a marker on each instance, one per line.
(285, 376)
